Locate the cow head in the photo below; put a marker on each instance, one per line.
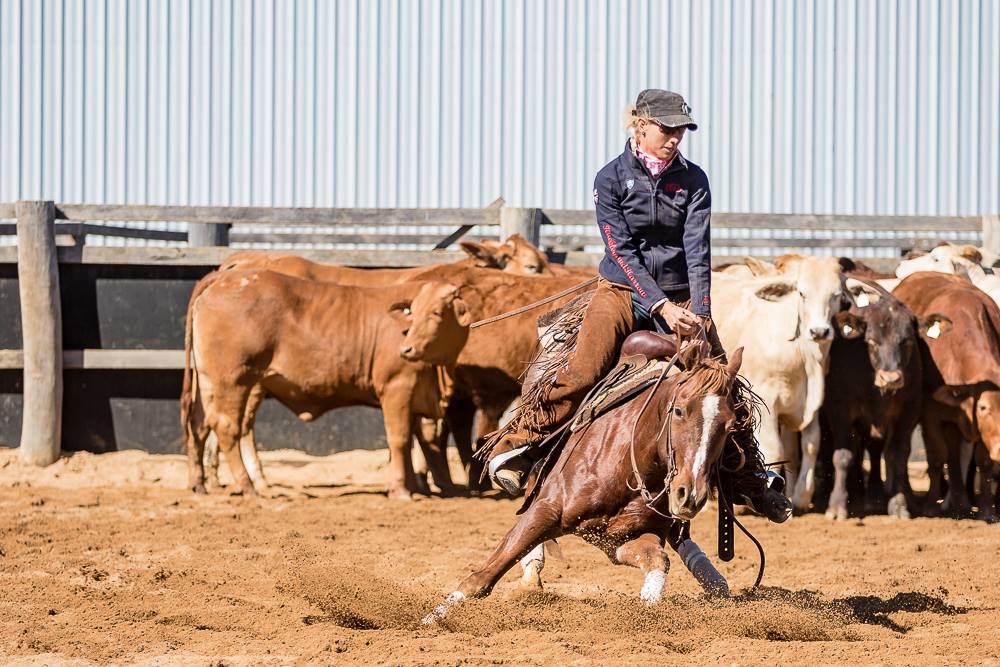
(889, 331)
(946, 258)
(818, 285)
(979, 406)
(435, 324)
(515, 255)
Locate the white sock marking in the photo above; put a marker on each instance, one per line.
(439, 611)
(652, 586)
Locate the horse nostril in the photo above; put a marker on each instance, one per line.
(681, 495)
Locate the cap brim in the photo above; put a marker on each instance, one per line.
(680, 120)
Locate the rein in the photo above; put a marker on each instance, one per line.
(532, 306)
(640, 485)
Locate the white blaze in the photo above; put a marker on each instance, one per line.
(709, 411)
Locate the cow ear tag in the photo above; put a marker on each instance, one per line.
(934, 330)
(862, 299)
(848, 330)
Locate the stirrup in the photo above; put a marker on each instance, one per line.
(507, 483)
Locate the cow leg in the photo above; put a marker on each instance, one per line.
(875, 490)
(487, 421)
(400, 480)
(843, 457)
(957, 502)
(987, 478)
(195, 435)
(211, 458)
(248, 445)
(538, 524)
(842, 460)
(227, 422)
(936, 446)
(460, 416)
(897, 474)
(807, 473)
(646, 553)
(428, 434)
(772, 446)
(419, 461)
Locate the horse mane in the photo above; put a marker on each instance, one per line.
(709, 376)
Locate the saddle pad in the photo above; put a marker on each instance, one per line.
(630, 376)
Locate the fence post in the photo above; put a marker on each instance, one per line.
(523, 221)
(41, 332)
(208, 234)
(991, 233)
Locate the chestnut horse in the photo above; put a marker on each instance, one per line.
(669, 436)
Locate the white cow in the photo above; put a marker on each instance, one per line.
(783, 319)
(960, 260)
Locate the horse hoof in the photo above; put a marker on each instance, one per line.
(439, 611)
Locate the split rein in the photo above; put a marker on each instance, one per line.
(650, 499)
(536, 304)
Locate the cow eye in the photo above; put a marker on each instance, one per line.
(678, 412)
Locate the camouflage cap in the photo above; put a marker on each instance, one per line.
(665, 107)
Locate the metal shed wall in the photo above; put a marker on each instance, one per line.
(846, 106)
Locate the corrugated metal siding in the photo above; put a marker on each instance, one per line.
(849, 106)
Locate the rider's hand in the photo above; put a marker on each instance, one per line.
(681, 320)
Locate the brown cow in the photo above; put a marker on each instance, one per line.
(515, 255)
(960, 325)
(317, 346)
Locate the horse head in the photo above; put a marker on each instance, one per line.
(696, 419)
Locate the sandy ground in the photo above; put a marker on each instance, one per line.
(106, 559)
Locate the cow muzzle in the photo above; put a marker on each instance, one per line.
(888, 380)
(821, 333)
(407, 352)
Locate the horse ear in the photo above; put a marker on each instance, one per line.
(735, 361)
(690, 354)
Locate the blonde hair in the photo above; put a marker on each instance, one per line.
(630, 120)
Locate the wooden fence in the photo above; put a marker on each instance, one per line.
(50, 234)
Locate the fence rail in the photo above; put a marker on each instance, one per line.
(38, 255)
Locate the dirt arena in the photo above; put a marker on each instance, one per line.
(106, 559)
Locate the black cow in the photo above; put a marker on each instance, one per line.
(873, 398)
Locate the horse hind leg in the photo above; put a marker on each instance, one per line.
(531, 567)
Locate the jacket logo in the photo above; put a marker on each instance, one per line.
(630, 183)
(673, 187)
(595, 195)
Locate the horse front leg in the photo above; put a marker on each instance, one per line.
(697, 562)
(646, 553)
(538, 524)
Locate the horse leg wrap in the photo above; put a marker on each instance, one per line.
(439, 611)
(532, 565)
(695, 560)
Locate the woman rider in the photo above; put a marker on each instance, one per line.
(653, 212)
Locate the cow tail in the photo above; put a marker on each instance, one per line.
(189, 387)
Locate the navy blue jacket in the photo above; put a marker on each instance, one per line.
(656, 230)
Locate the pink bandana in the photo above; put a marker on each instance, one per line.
(654, 164)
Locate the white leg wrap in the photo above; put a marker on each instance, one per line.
(701, 567)
(652, 586)
(439, 611)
